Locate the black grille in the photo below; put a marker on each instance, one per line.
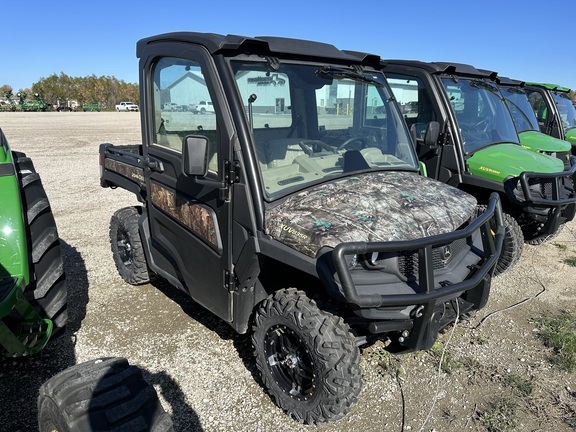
(441, 257)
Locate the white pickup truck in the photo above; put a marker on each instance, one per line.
(126, 106)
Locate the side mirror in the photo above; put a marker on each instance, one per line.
(432, 134)
(195, 155)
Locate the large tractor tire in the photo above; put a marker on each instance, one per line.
(100, 395)
(308, 359)
(46, 291)
(127, 249)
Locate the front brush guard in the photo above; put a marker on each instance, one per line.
(427, 293)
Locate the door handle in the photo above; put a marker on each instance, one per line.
(154, 165)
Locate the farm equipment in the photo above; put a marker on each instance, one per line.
(33, 298)
(91, 107)
(27, 104)
(8, 104)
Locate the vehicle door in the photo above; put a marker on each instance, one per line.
(545, 111)
(419, 105)
(189, 216)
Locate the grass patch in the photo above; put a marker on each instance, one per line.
(570, 261)
(522, 387)
(500, 416)
(559, 333)
(561, 246)
(449, 363)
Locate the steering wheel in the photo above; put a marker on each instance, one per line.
(352, 140)
(483, 124)
(311, 146)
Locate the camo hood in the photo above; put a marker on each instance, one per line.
(375, 207)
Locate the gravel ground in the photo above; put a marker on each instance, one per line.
(204, 372)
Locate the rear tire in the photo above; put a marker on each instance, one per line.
(308, 359)
(100, 395)
(127, 247)
(46, 290)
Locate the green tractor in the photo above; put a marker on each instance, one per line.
(8, 104)
(36, 104)
(33, 312)
(33, 298)
(554, 110)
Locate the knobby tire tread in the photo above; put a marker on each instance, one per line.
(136, 273)
(105, 394)
(47, 291)
(336, 356)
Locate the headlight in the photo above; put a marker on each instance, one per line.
(352, 261)
(373, 258)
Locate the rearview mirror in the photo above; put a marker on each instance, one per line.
(195, 155)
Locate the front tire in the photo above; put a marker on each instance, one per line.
(100, 395)
(126, 246)
(308, 359)
(46, 290)
(512, 245)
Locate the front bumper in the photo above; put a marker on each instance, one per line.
(411, 299)
(549, 198)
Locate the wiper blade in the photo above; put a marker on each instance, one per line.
(332, 72)
(484, 85)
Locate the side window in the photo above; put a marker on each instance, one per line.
(414, 101)
(539, 107)
(182, 106)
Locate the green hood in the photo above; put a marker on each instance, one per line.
(537, 141)
(375, 207)
(571, 136)
(501, 161)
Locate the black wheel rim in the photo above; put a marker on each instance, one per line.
(290, 362)
(124, 247)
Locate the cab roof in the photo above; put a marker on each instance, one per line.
(264, 45)
(552, 87)
(459, 69)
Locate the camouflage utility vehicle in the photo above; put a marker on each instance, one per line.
(296, 210)
(554, 110)
(467, 138)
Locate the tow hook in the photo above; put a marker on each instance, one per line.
(419, 311)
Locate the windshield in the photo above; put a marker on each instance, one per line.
(482, 115)
(520, 108)
(566, 109)
(311, 123)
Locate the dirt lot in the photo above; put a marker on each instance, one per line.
(204, 372)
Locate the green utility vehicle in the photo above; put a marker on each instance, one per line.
(527, 125)
(33, 306)
(554, 110)
(466, 137)
(295, 211)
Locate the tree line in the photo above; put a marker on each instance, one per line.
(62, 89)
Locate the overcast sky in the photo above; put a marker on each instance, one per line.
(520, 39)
